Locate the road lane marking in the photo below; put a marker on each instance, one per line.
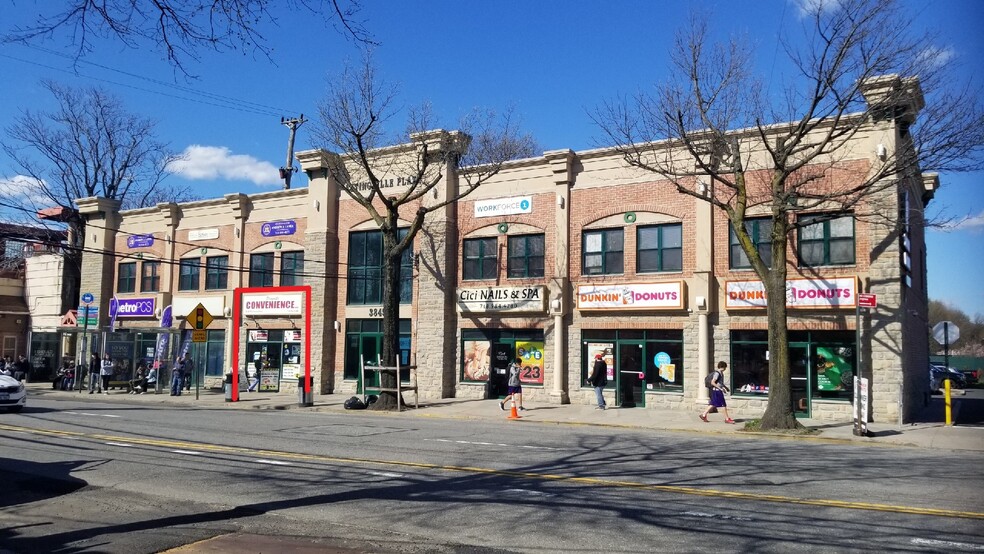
(189, 452)
(273, 462)
(123, 444)
(947, 544)
(496, 444)
(91, 415)
(593, 481)
(386, 474)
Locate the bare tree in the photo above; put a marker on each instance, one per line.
(89, 146)
(352, 122)
(711, 131)
(181, 28)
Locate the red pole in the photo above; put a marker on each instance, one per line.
(235, 346)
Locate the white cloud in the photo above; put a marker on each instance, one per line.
(805, 8)
(936, 56)
(23, 190)
(219, 163)
(969, 223)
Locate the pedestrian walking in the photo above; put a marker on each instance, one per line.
(718, 388)
(189, 372)
(514, 392)
(598, 379)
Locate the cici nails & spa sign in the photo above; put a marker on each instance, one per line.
(840, 292)
(631, 296)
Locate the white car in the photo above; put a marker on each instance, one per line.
(13, 395)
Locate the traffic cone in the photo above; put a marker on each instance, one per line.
(513, 414)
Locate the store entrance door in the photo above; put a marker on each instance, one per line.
(370, 349)
(799, 379)
(630, 384)
(502, 355)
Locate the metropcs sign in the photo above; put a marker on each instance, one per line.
(135, 307)
(840, 292)
(273, 304)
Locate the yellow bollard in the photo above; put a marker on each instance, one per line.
(946, 397)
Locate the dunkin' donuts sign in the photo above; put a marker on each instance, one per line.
(631, 296)
(841, 292)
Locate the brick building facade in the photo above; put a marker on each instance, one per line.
(555, 259)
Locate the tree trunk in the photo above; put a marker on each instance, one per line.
(779, 412)
(391, 321)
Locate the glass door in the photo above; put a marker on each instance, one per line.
(799, 377)
(370, 348)
(630, 376)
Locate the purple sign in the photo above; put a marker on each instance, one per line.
(278, 228)
(135, 307)
(139, 241)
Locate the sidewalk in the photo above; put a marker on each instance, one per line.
(930, 433)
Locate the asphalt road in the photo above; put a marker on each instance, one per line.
(91, 477)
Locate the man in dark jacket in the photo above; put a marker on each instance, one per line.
(22, 368)
(599, 378)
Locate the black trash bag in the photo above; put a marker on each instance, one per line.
(355, 403)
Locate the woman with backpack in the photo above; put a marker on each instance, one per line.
(718, 388)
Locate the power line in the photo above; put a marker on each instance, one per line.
(220, 101)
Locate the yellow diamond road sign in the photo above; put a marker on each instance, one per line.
(199, 318)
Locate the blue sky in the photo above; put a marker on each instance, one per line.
(552, 61)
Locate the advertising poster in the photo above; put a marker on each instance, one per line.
(532, 355)
(269, 380)
(477, 360)
(834, 368)
(667, 371)
(292, 372)
(607, 350)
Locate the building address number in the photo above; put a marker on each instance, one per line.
(375, 312)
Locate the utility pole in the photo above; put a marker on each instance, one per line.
(288, 169)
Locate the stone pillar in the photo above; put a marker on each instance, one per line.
(321, 243)
(435, 263)
(559, 296)
(702, 289)
(102, 223)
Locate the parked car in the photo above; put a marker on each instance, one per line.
(938, 374)
(13, 395)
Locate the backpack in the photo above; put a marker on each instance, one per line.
(709, 380)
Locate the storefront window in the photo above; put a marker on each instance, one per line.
(292, 269)
(189, 272)
(480, 258)
(217, 273)
(479, 346)
(760, 231)
(364, 344)
(603, 253)
(44, 356)
(828, 355)
(525, 256)
(126, 277)
(660, 248)
(826, 240)
(151, 277)
(661, 352)
(261, 270)
(365, 268)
